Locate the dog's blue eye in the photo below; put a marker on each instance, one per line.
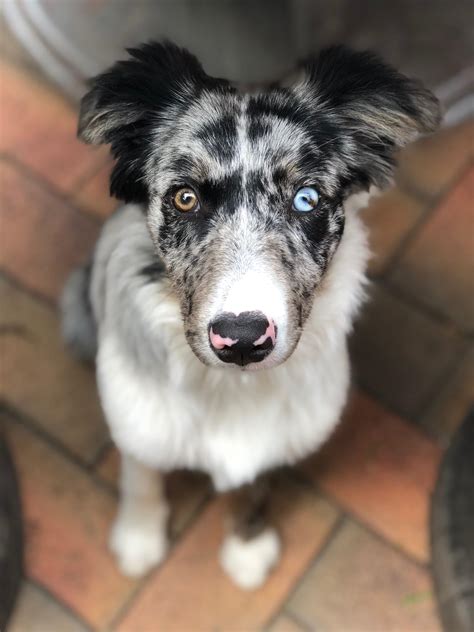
(305, 200)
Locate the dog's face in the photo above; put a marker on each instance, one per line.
(244, 192)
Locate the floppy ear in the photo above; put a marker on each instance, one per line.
(129, 101)
(381, 109)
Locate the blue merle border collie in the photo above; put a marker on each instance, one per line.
(219, 297)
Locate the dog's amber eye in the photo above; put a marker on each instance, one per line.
(185, 200)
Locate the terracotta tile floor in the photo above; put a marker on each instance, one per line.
(353, 518)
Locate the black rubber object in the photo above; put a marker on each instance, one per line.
(452, 532)
(11, 536)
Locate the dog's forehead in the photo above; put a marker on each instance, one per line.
(222, 132)
(272, 134)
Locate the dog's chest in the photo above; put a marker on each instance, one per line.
(233, 428)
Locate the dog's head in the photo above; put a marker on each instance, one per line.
(244, 193)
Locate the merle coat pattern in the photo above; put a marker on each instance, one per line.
(161, 277)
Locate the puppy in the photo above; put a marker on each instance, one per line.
(219, 298)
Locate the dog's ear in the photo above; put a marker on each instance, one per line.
(381, 109)
(128, 101)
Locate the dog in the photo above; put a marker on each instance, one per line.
(219, 298)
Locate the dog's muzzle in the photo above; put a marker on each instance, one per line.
(242, 339)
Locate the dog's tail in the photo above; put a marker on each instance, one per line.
(78, 324)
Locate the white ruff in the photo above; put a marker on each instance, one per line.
(228, 423)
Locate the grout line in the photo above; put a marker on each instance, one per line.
(208, 497)
(426, 310)
(29, 425)
(301, 623)
(410, 420)
(66, 197)
(64, 606)
(312, 563)
(141, 585)
(87, 176)
(396, 548)
(448, 377)
(33, 427)
(133, 595)
(100, 456)
(431, 206)
(348, 513)
(16, 283)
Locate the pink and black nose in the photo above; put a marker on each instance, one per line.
(248, 337)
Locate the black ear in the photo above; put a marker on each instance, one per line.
(131, 99)
(380, 108)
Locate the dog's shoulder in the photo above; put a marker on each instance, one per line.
(129, 284)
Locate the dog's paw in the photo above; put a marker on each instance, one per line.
(139, 545)
(248, 562)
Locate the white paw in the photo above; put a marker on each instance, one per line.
(248, 562)
(139, 541)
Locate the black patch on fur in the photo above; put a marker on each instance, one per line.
(256, 184)
(225, 192)
(315, 226)
(287, 262)
(154, 271)
(258, 128)
(360, 96)
(183, 165)
(280, 104)
(219, 138)
(128, 101)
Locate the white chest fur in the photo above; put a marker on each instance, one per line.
(230, 424)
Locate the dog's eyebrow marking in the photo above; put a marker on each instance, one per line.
(219, 137)
(225, 191)
(187, 166)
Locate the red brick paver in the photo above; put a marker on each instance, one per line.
(382, 470)
(41, 238)
(93, 194)
(41, 379)
(438, 268)
(36, 611)
(285, 624)
(452, 403)
(191, 592)
(67, 519)
(360, 584)
(431, 165)
(401, 354)
(390, 218)
(186, 491)
(38, 128)
(335, 573)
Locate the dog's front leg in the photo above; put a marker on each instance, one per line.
(139, 534)
(252, 547)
